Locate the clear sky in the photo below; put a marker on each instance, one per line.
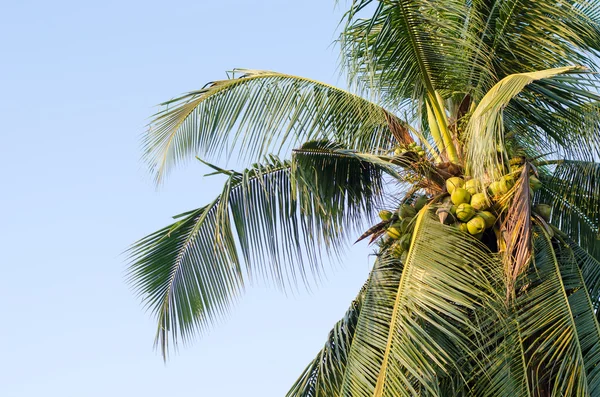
(78, 81)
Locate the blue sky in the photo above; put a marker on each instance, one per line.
(78, 81)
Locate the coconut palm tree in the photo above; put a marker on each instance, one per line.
(472, 128)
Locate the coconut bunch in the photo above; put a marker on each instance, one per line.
(467, 206)
(474, 207)
(411, 147)
(399, 232)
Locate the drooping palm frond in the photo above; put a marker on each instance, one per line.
(419, 328)
(550, 345)
(560, 116)
(590, 272)
(323, 376)
(504, 372)
(485, 134)
(377, 307)
(189, 272)
(573, 190)
(557, 324)
(263, 112)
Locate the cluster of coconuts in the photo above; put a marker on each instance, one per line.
(472, 210)
(411, 147)
(468, 207)
(400, 232)
(471, 206)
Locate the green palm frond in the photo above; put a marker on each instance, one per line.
(189, 272)
(485, 134)
(560, 116)
(323, 376)
(518, 36)
(421, 327)
(590, 272)
(557, 323)
(263, 112)
(464, 47)
(375, 310)
(504, 372)
(573, 190)
(396, 50)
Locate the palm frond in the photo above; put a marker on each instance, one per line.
(517, 232)
(323, 376)
(420, 327)
(505, 371)
(572, 188)
(518, 36)
(590, 272)
(263, 112)
(485, 135)
(560, 116)
(189, 272)
(557, 323)
(397, 49)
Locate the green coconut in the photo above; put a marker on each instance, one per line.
(405, 241)
(454, 182)
(460, 195)
(420, 202)
(476, 225)
(488, 217)
(478, 236)
(453, 210)
(544, 210)
(462, 226)
(406, 225)
(464, 212)
(535, 183)
(480, 202)
(497, 188)
(385, 215)
(406, 211)
(473, 186)
(394, 232)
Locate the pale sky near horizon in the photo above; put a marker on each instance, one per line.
(78, 81)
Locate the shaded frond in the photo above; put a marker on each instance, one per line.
(573, 190)
(590, 272)
(524, 36)
(339, 178)
(189, 272)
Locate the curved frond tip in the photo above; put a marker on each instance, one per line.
(263, 112)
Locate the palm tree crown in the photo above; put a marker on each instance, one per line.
(479, 155)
